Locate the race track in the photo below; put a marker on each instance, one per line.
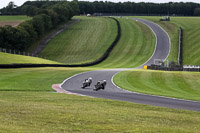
(73, 84)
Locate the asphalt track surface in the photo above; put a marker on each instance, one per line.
(74, 83)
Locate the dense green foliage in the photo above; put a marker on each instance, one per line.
(184, 85)
(146, 9)
(135, 46)
(43, 20)
(10, 9)
(84, 42)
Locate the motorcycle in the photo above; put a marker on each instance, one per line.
(100, 85)
(86, 83)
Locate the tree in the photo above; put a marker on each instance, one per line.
(14, 38)
(32, 35)
(197, 12)
(2, 37)
(47, 22)
(54, 17)
(38, 25)
(29, 10)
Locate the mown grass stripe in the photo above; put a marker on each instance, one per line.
(181, 85)
(87, 41)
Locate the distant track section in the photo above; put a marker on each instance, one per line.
(162, 38)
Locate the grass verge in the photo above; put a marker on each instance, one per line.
(6, 58)
(35, 79)
(53, 112)
(184, 85)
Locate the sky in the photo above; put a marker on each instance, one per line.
(4, 3)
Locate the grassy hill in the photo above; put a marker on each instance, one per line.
(135, 46)
(84, 42)
(28, 104)
(184, 85)
(191, 39)
(11, 58)
(88, 40)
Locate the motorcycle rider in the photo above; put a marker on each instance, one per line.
(87, 82)
(100, 85)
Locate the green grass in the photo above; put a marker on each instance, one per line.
(6, 58)
(35, 79)
(134, 48)
(191, 39)
(184, 85)
(13, 18)
(84, 42)
(53, 112)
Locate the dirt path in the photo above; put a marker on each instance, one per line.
(13, 24)
(44, 42)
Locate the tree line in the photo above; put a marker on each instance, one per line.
(171, 8)
(46, 15)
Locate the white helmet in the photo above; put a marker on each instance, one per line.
(90, 78)
(104, 81)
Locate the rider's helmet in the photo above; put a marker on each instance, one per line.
(104, 82)
(90, 78)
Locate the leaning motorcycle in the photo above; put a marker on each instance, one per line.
(86, 82)
(100, 85)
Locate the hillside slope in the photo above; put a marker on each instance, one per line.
(191, 39)
(84, 42)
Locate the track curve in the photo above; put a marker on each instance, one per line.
(73, 84)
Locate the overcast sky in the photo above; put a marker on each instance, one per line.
(4, 3)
